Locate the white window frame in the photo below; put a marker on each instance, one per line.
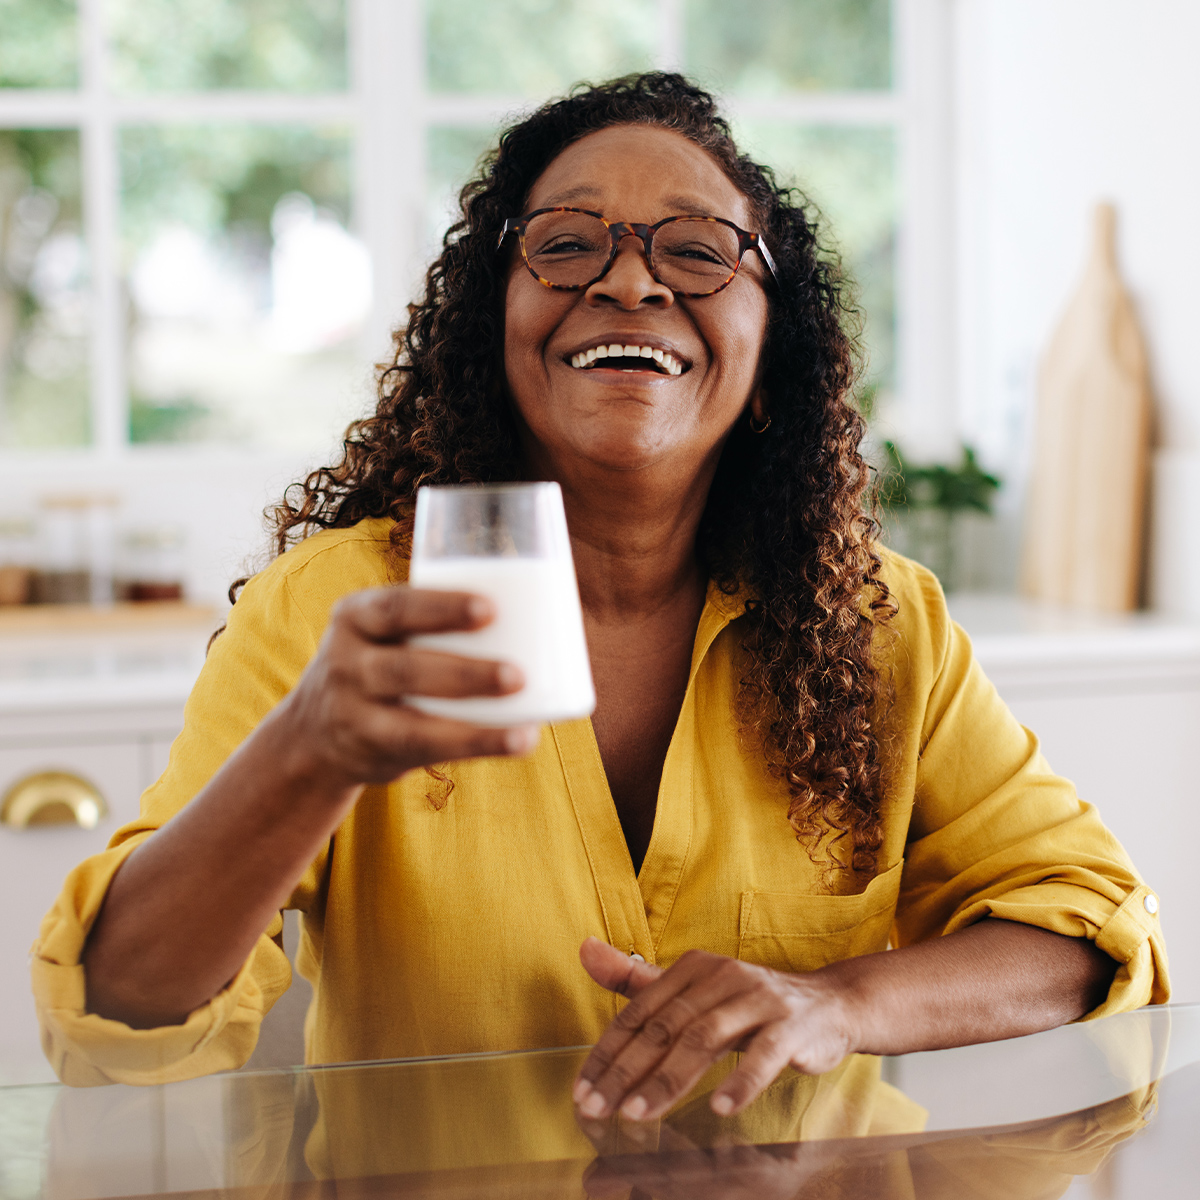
(388, 110)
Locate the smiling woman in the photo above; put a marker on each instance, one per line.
(793, 763)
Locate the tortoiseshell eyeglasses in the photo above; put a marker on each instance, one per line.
(570, 248)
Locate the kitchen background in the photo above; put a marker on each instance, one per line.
(212, 215)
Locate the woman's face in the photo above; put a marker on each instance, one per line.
(626, 420)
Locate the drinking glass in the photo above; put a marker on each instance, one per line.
(507, 542)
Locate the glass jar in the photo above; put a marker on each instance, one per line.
(150, 564)
(18, 553)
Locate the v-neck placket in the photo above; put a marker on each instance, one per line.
(637, 907)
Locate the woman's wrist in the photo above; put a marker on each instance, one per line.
(298, 765)
(857, 989)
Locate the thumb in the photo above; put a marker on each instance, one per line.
(616, 971)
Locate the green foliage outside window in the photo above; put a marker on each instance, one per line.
(535, 48)
(43, 291)
(39, 44)
(182, 45)
(222, 184)
(774, 46)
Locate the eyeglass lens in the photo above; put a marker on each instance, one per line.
(688, 255)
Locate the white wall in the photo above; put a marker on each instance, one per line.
(1059, 104)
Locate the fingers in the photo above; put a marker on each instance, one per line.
(393, 613)
(673, 1030)
(391, 672)
(616, 971)
(768, 1053)
(409, 736)
(811, 1046)
(678, 1025)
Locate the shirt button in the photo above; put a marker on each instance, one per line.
(639, 958)
(1150, 903)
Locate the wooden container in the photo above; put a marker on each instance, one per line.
(1086, 513)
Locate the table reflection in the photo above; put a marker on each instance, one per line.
(1042, 1111)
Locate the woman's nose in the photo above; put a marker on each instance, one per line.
(628, 281)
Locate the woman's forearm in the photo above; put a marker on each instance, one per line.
(186, 908)
(995, 979)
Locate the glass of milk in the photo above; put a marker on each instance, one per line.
(507, 542)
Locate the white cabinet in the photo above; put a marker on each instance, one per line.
(1116, 705)
(104, 707)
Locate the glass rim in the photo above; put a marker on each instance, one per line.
(515, 485)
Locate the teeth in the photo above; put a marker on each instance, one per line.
(669, 363)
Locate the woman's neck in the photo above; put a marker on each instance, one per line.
(634, 542)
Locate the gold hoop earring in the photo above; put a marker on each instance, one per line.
(760, 428)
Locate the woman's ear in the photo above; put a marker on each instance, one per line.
(759, 411)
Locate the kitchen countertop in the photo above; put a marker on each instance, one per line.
(73, 658)
(149, 654)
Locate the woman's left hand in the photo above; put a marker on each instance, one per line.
(682, 1020)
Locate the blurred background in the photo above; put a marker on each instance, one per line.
(213, 214)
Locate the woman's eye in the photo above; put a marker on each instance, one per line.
(566, 245)
(697, 250)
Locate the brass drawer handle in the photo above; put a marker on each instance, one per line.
(52, 798)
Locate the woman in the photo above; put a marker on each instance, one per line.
(793, 758)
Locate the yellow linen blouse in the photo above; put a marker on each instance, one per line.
(443, 920)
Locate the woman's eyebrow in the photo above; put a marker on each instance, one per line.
(675, 205)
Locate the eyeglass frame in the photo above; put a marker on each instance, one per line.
(645, 234)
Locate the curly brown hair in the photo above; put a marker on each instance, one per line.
(785, 518)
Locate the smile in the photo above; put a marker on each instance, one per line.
(628, 358)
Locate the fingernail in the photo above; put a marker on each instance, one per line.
(594, 1106)
(509, 676)
(583, 1089)
(722, 1105)
(634, 1108)
(479, 608)
(522, 740)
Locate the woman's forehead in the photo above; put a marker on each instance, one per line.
(639, 173)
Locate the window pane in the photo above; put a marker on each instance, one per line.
(775, 46)
(850, 174)
(247, 290)
(183, 45)
(535, 47)
(43, 291)
(38, 43)
(454, 154)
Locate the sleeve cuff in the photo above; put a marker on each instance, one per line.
(1128, 932)
(86, 1049)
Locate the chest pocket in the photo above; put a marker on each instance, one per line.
(791, 931)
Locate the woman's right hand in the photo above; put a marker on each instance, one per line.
(346, 721)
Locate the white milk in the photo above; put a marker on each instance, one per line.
(538, 626)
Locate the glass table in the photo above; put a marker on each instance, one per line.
(1109, 1109)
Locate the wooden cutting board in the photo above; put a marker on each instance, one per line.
(1086, 511)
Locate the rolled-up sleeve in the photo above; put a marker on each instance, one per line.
(86, 1049)
(995, 832)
